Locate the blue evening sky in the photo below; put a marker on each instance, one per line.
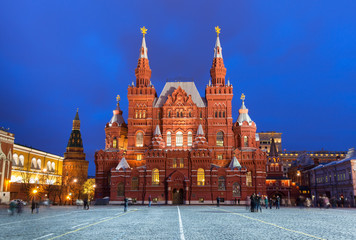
(294, 60)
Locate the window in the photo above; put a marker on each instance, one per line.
(22, 160)
(15, 159)
(220, 157)
(190, 138)
(138, 157)
(181, 163)
(33, 163)
(140, 115)
(190, 114)
(219, 114)
(136, 114)
(221, 183)
(155, 176)
(39, 163)
(201, 177)
(245, 141)
(53, 166)
(220, 139)
(248, 179)
(49, 166)
(216, 114)
(144, 114)
(169, 113)
(223, 113)
(236, 190)
(181, 114)
(114, 143)
(179, 139)
(169, 139)
(120, 189)
(174, 165)
(139, 139)
(134, 183)
(177, 114)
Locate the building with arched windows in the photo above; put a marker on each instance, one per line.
(180, 147)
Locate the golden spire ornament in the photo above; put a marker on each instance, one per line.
(242, 97)
(217, 30)
(144, 30)
(118, 98)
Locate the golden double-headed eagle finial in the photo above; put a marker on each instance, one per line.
(144, 30)
(217, 30)
(242, 97)
(118, 98)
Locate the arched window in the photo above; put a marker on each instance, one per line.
(248, 179)
(39, 164)
(223, 113)
(139, 139)
(49, 166)
(155, 176)
(169, 113)
(221, 183)
(33, 163)
(177, 114)
(15, 159)
(236, 190)
(53, 166)
(120, 189)
(179, 139)
(22, 160)
(190, 114)
(140, 114)
(219, 114)
(134, 183)
(169, 139)
(201, 177)
(144, 114)
(245, 141)
(220, 139)
(190, 138)
(181, 114)
(216, 114)
(136, 114)
(114, 143)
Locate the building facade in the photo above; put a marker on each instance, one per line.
(75, 167)
(179, 147)
(266, 140)
(336, 179)
(6, 149)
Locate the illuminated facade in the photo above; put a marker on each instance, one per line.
(34, 168)
(179, 147)
(6, 149)
(266, 140)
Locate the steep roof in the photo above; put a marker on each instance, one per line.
(234, 163)
(188, 87)
(243, 115)
(273, 149)
(123, 164)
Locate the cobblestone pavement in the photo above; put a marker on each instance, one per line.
(183, 222)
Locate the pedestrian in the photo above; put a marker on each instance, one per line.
(37, 206)
(270, 203)
(252, 199)
(85, 202)
(88, 203)
(258, 203)
(33, 206)
(266, 201)
(126, 202)
(19, 207)
(218, 201)
(149, 201)
(12, 207)
(278, 202)
(238, 201)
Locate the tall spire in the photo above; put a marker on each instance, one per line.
(76, 121)
(243, 113)
(143, 71)
(218, 70)
(273, 149)
(75, 139)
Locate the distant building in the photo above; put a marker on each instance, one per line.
(6, 149)
(75, 167)
(35, 169)
(266, 140)
(336, 179)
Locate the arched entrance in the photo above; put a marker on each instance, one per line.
(178, 196)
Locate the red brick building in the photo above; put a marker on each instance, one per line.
(180, 147)
(6, 150)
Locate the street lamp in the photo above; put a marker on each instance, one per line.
(75, 180)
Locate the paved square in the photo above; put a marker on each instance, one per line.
(183, 222)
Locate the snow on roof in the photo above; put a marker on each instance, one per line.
(188, 87)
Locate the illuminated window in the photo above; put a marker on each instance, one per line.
(272, 168)
(136, 114)
(22, 160)
(201, 177)
(181, 163)
(155, 176)
(144, 114)
(120, 189)
(174, 163)
(190, 138)
(139, 157)
(236, 190)
(15, 159)
(221, 183)
(220, 139)
(134, 183)
(248, 179)
(53, 166)
(139, 139)
(49, 166)
(140, 115)
(114, 143)
(33, 163)
(220, 157)
(179, 139)
(245, 141)
(169, 138)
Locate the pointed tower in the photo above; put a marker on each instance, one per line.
(157, 140)
(219, 115)
(142, 117)
(116, 130)
(274, 166)
(75, 167)
(200, 140)
(218, 70)
(143, 71)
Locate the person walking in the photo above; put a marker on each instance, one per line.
(270, 203)
(278, 202)
(19, 207)
(126, 203)
(12, 207)
(149, 201)
(258, 203)
(266, 202)
(218, 201)
(253, 203)
(33, 206)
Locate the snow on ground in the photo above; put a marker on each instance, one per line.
(162, 222)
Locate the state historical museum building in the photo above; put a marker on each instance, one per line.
(180, 147)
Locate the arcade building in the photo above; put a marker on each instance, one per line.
(180, 147)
